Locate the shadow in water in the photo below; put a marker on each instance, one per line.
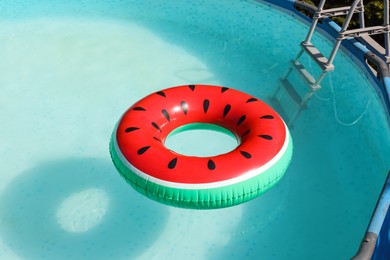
(29, 213)
(261, 219)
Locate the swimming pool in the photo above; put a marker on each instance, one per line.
(69, 70)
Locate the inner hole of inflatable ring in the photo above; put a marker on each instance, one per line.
(202, 140)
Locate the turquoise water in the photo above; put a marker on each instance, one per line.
(69, 70)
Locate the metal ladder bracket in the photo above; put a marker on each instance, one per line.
(364, 31)
(338, 11)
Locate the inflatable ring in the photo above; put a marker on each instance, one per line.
(258, 162)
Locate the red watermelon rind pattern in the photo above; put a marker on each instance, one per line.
(205, 198)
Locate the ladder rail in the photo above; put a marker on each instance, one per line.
(315, 21)
(386, 22)
(361, 15)
(343, 29)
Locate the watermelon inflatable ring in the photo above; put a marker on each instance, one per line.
(258, 162)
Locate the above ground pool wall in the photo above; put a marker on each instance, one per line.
(376, 242)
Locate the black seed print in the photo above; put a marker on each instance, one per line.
(139, 109)
(166, 115)
(130, 129)
(268, 137)
(246, 154)
(172, 163)
(184, 107)
(192, 87)
(246, 132)
(242, 118)
(206, 104)
(267, 117)
(155, 138)
(226, 110)
(161, 93)
(224, 89)
(251, 100)
(142, 150)
(156, 126)
(211, 165)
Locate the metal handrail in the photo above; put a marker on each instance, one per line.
(368, 244)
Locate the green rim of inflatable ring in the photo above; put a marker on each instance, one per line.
(204, 198)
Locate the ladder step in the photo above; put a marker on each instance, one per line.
(291, 91)
(304, 74)
(278, 107)
(320, 59)
(338, 11)
(364, 31)
(309, 79)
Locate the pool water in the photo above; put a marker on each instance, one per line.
(69, 70)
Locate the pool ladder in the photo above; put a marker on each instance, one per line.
(326, 64)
